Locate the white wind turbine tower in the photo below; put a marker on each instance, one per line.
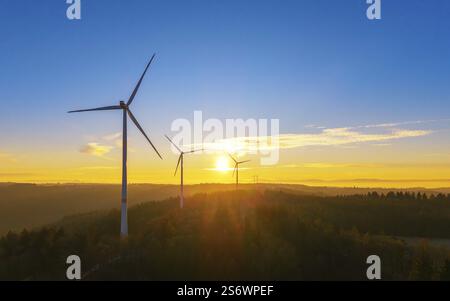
(236, 168)
(125, 107)
(180, 160)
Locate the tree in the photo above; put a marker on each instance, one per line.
(445, 273)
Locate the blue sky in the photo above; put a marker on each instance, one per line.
(305, 62)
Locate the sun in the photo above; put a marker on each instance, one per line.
(222, 164)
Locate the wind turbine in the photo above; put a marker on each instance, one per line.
(236, 168)
(180, 160)
(125, 107)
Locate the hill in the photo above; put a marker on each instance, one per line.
(245, 235)
(31, 205)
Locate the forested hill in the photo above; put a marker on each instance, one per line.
(30, 205)
(253, 235)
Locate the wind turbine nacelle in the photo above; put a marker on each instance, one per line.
(123, 105)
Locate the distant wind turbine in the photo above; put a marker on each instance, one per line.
(236, 168)
(125, 107)
(180, 160)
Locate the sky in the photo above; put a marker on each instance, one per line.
(359, 102)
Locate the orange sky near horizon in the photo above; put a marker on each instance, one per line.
(391, 169)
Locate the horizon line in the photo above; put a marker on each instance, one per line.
(231, 184)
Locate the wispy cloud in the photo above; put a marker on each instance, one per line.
(397, 124)
(95, 149)
(113, 136)
(386, 124)
(314, 126)
(327, 137)
(99, 149)
(116, 138)
(342, 136)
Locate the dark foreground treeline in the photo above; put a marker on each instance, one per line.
(247, 235)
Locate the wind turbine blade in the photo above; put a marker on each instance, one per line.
(234, 169)
(173, 144)
(179, 160)
(130, 100)
(142, 131)
(232, 158)
(244, 161)
(97, 109)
